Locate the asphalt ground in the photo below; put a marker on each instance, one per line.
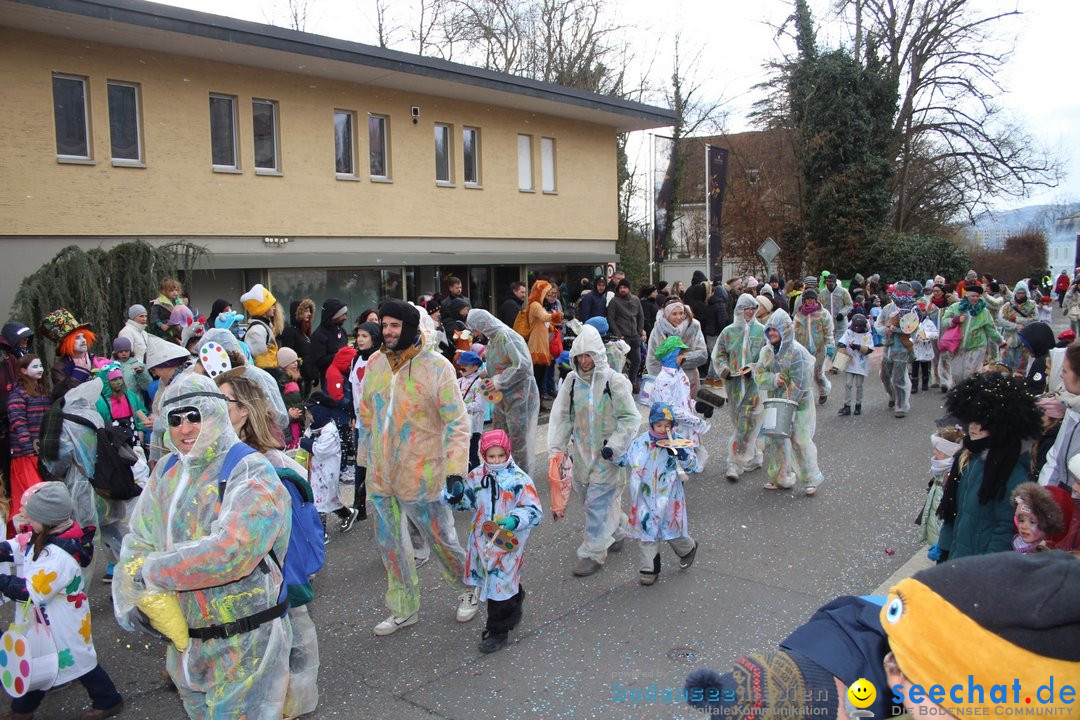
(766, 561)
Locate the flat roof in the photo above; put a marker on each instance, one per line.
(169, 29)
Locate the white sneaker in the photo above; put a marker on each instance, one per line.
(468, 605)
(392, 624)
(732, 472)
(421, 561)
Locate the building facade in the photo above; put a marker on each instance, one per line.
(317, 166)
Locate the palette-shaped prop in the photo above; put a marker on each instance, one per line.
(909, 323)
(675, 443)
(214, 359)
(499, 536)
(491, 394)
(28, 659)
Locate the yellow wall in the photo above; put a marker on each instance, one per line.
(178, 194)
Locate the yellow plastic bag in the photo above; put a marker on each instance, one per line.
(163, 611)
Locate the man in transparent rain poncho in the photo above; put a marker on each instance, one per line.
(785, 369)
(220, 557)
(510, 372)
(594, 418)
(733, 356)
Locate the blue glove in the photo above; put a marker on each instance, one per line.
(455, 488)
(607, 453)
(934, 553)
(831, 351)
(507, 523)
(682, 454)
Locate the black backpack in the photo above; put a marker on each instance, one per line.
(112, 478)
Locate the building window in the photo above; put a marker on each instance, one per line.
(442, 154)
(470, 142)
(547, 164)
(124, 131)
(379, 146)
(525, 171)
(265, 126)
(72, 117)
(223, 132)
(345, 142)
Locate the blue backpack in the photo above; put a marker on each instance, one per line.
(306, 553)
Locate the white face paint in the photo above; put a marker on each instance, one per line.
(35, 369)
(80, 343)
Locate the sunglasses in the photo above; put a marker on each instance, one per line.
(179, 416)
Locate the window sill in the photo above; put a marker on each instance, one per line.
(75, 160)
(381, 179)
(346, 177)
(227, 170)
(444, 184)
(551, 192)
(129, 163)
(473, 186)
(527, 190)
(268, 172)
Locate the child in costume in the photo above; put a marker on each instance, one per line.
(50, 586)
(288, 380)
(1038, 516)
(27, 404)
(785, 369)
(324, 443)
(122, 408)
(898, 349)
(1046, 310)
(469, 365)
(947, 442)
(857, 343)
(737, 348)
(1013, 317)
(673, 387)
(814, 331)
(136, 377)
(657, 498)
(497, 490)
(923, 351)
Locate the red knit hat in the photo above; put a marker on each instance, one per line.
(492, 438)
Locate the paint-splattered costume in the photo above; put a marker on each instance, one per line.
(739, 346)
(814, 331)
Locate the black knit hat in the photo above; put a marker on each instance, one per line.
(409, 317)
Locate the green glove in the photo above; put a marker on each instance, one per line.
(507, 523)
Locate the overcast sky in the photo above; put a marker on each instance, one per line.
(735, 39)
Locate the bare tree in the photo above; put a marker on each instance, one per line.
(296, 14)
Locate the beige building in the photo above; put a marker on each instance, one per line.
(318, 166)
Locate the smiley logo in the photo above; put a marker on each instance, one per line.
(862, 693)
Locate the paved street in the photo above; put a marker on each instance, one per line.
(766, 561)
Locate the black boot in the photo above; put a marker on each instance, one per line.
(915, 387)
(858, 408)
(926, 384)
(846, 410)
(360, 493)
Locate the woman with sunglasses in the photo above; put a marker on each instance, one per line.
(207, 527)
(253, 420)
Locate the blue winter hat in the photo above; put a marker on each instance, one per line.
(600, 323)
(661, 411)
(469, 358)
(320, 405)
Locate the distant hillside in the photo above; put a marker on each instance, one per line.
(991, 228)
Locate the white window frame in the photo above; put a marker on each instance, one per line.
(351, 114)
(387, 176)
(275, 131)
(234, 104)
(548, 166)
(137, 161)
(448, 137)
(477, 181)
(88, 158)
(525, 163)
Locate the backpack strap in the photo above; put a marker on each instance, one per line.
(236, 453)
(79, 420)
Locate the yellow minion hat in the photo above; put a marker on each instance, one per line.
(258, 301)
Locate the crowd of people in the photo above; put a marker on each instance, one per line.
(236, 422)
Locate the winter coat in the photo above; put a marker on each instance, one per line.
(324, 444)
(328, 338)
(493, 494)
(657, 509)
(592, 410)
(541, 323)
(508, 363)
(649, 308)
(690, 332)
(25, 412)
(475, 404)
(337, 384)
(54, 584)
(138, 381)
(855, 342)
(214, 553)
(509, 309)
(414, 430)
(593, 304)
(158, 317)
(625, 316)
(978, 330)
(295, 338)
(697, 297)
(137, 334)
(65, 374)
(979, 529)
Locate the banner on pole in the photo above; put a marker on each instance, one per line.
(663, 194)
(716, 163)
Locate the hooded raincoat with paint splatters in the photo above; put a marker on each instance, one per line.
(739, 346)
(509, 364)
(215, 555)
(414, 429)
(493, 492)
(788, 372)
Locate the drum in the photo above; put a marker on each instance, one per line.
(840, 360)
(779, 417)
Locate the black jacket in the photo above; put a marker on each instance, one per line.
(698, 301)
(328, 338)
(293, 337)
(649, 308)
(592, 304)
(718, 307)
(509, 309)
